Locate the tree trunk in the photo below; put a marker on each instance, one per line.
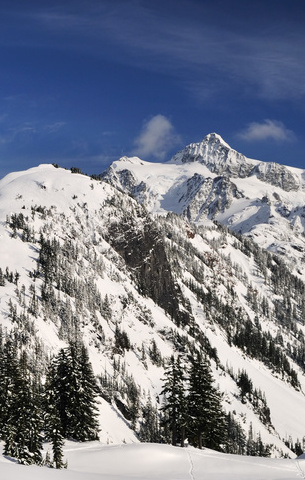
(182, 436)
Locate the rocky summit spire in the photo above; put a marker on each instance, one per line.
(216, 138)
(217, 155)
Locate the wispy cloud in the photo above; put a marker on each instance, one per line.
(203, 48)
(54, 127)
(24, 130)
(156, 139)
(268, 129)
(197, 45)
(27, 130)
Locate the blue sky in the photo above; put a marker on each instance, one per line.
(84, 82)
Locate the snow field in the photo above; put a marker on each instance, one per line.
(95, 461)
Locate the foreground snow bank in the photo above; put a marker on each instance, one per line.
(94, 461)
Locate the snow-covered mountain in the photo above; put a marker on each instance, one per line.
(210, 180)
(139, 288)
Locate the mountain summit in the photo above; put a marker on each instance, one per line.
(211, 181)
(217, 155)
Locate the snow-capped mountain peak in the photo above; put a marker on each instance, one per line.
(216, 137)
(210, 180)
(132, 160)
(217, 155)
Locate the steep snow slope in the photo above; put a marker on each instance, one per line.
(210, 180)
(167, 284)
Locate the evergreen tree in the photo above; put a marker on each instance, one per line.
(57, 440)
(149, 430)
(155, 354)
(2, 279)
(207, 419)
(215, 434)
(175, 402)
(8, 368)
(106, 308)
(22, 431)
(121, 340)
(84, 423)
(57, 446)
(133, 400)
(71, 392)
(58, 393)
(235, 437)
(251, 445)
(245, 384)
(52, 424)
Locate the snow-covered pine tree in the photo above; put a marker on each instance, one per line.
(58, 391)
(84, 423)
(23, 427)
(149, 429)
(71, 392)
(174, 406)
(57, 446)
(215, 433)
(52, 425)
(206, 418)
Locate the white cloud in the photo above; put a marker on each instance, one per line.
(268, 129)
(157, 137)
(54, 127)
(25, 130)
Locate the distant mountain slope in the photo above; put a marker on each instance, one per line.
(210, 180)
(81, 259)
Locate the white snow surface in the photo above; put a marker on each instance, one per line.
(94, 461)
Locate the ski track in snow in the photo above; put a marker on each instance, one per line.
(300, 470)
(191, 470)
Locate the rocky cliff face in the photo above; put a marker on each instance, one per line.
(138, 241)
(208, 197)
(277, 175)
